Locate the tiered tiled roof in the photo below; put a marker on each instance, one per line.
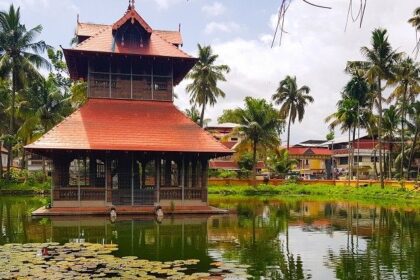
(127, 125)
(103, 41)
(91, 29)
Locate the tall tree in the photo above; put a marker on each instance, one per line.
(413, 124)
(293, 101)
(378, 66)
(407, 87)
(20, 56)
(205, 75)
(415, 22)
(390, 126)
(260, 125)
(345, 117)
(356, 89)
(4, 104)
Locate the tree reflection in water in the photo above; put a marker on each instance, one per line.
(273, 239)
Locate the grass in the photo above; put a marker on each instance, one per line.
(24, 187)
(319, 191)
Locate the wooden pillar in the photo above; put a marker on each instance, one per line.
(92, 171)
(168, 173)
(108, 180)
(180, 171)
(187, 173)
(132, 179)
(57, 173)
(157, 177)
(194, 173)
(204, 179)
(182, 174)
(136, 174)
(143, 173)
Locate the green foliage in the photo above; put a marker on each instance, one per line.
(245, 161)
(225, 174)
(280, 163)
(244, 173)
(230, 116)
(205, 75)
(370, 193)
(293, 101)
(330, 135)
(221, 173)
(260, 125)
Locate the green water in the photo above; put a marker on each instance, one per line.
(277, 239)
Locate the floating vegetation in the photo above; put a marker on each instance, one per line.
(95, 261)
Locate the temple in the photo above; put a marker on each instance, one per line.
(128, 147)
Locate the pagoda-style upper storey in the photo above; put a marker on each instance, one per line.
(128, 59)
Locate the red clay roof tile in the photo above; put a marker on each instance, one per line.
(298, 151)
(132, 15)
(89, 29)
(103, 41)
(127, 125)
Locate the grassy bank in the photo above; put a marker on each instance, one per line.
(24, 187)
(371, 193)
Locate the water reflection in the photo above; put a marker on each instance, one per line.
(276, 239)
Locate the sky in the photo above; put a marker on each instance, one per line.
(315, 48)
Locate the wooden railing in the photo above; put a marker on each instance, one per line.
(72, 194)
(145, 196)
(176, 193)
(170, 194)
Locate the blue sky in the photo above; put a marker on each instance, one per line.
(315, 49)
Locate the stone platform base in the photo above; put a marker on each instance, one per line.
(125, 210)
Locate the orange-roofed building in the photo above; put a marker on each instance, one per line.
(128, 146)
(312, 162)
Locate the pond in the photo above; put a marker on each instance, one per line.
(272, 239)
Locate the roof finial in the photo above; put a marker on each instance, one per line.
(131, 4)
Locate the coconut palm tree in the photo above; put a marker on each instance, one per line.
(415, 22)
(345, 117)
(413, 124)
(293, 101)
(205, 75)
(380, 61)
(357, 89)
(390, 126)
(407, 87)
(41, 108)
(259, 125)
(20, 56)
(194, 115)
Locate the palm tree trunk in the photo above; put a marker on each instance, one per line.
(381, 170)
(1, 162)
(288, 129)
(413, 148)
(349, 161)
(390, 156)
(12, 123)
(403, 132)
(352, 151)
(202, 115)
(254, 161)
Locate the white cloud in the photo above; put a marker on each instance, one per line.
(315, 49)
(227, 27)
(215, 9)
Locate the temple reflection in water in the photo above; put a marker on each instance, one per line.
(277, 239)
